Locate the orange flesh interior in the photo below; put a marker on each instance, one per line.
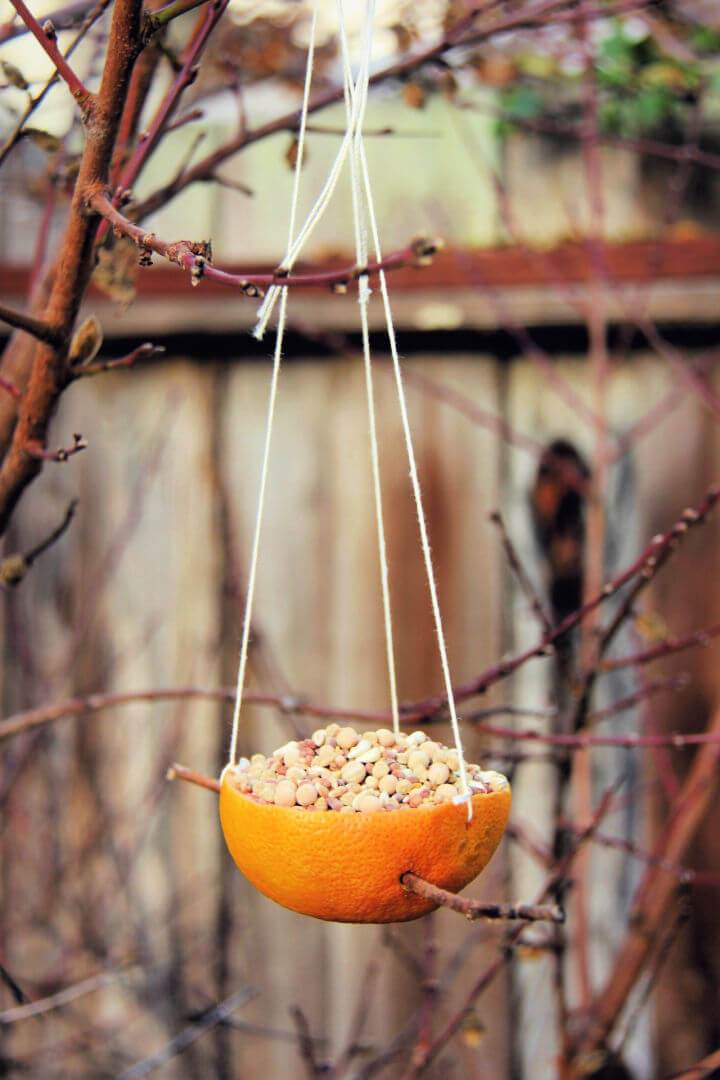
(347, 867)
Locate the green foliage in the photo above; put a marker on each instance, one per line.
(641, 88)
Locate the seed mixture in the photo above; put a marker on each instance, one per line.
(341, 769)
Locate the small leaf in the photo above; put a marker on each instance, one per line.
(116, 271)
(86, 343)
(13, 75)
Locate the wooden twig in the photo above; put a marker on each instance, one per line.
(518, 569)
(48, 41)
(545, 645)
(306, 1042)
(665, 648)
(37, 327)
(194, 256)
(474, 909)
(62, 454)
(186, 1038)
(60, 998)
(651, 899)
(155, 20)
(179, 772)
(143, 352)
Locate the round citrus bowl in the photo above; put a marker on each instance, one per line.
(347, 867)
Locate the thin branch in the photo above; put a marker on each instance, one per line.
(54, 536)
(62, 997)
(20, 321)
(48, 42)
(19, 130)
(179, 772)
(9, 388)
(181, 1042)
(652, 897)
(475, 909)
(143, 352)
(62, 18)
(518, 569)
(305, 1042)
(463, 33)
(665, 648)
(194, 256)
(590, 742)
(155, 20)
(62, 454)
(545, 645)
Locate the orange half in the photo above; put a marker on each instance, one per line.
(347, 867)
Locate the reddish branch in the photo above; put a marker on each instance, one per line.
(193, 256)
(462, 33)
(49, 43)
(49, 369)
(652, 898)
(544, 646)
(666, 648)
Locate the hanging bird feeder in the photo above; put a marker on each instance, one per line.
(338, 849)
(334, 838)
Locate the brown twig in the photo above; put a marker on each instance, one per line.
(518, 569)
(37, 327)
(60, 998)
(306, 1042)
(179, 772)
(54, 536)
(475, 909)
(652, 898)
(186, 1038)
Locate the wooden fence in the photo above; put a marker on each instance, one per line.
(106, 867)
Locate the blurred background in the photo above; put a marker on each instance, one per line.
(560, 355)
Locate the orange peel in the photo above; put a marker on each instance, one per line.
(347, 867)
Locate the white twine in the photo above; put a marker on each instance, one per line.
(415, 481)
(355, 101)
(277, 357)
(361, 254)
